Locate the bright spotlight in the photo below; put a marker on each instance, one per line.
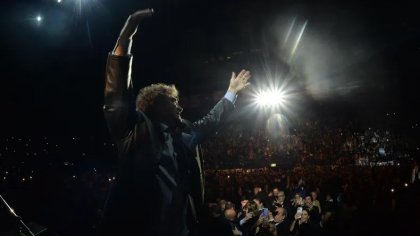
(270, 98)
(58, 1)
(38, 18)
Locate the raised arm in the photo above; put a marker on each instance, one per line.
(119, 106)
(209, 123)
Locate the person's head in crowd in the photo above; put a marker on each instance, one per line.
(314, 195)
(222, 204)
(281, 215)
(308, 201)
(275, 192)
(257, 190)
(230, 214)
(281, 196)
(229, 205)
(305, 216)
(252, 208)
(259, 202)
(297, 200)
(244, 201)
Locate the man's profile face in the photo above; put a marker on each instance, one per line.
(169, 110)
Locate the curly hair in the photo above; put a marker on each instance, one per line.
(147, 95)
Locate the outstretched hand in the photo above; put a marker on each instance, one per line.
(239, 82)
(130, 27)
(123, 45)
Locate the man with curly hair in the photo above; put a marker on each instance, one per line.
(159, 187)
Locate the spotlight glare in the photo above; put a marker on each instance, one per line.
(58, 1)
(39, 18)
(270, 98)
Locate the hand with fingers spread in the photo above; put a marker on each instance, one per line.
(239, 82)
(123, 45)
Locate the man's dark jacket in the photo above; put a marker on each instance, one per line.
(137, 203)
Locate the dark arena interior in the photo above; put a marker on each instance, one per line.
(323, 141)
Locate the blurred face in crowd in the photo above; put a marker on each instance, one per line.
(305, 216)
(257, 190)
(259, 203)
(230, 214)
(244, 202)
(308, 201)
(297, 197)
(281, 215)
(222, 205)
(314, 195)
(281, 196)
(275, 192)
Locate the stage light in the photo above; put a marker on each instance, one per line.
(38, 18)
(58, 1)
(405, 185)
(273, 165)
(270, 98)
(392, 190)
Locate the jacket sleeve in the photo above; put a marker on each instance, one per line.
(213, 120)
(119, 102)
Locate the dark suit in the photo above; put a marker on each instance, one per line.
(146, 197)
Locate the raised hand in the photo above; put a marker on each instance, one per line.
(130, 27)
(239, 82)
(123, 45)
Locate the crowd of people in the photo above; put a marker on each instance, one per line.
(304, 143)
(319, 186)
(327, 200)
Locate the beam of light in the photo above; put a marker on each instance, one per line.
(289, 32)
(88, 33)
(298, 40)
(85, 7)
(58, 1)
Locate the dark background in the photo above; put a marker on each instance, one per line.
(52, 72)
